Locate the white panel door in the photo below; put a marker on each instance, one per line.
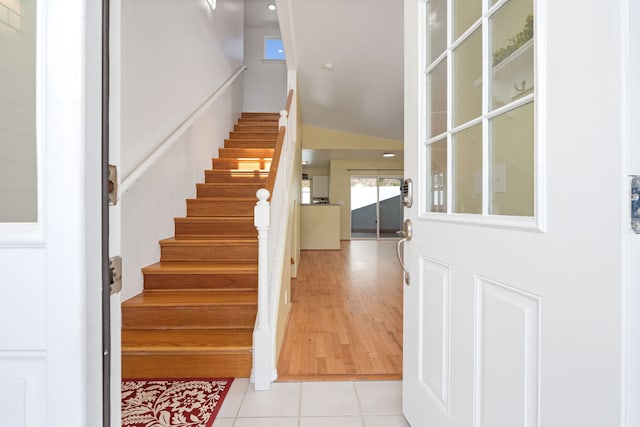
(50, 353)
(513, 307)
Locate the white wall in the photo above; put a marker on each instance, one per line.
(265, 81)
(175, 54)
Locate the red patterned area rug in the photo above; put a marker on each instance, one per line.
(172, 403)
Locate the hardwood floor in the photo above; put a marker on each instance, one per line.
(346, 319)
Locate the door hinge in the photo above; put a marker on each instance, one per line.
(113, 185)
(635, 203)
(115, 274)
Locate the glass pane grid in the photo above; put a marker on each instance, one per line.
(436, 82)
(511, 73)
(467, 79)
(472, 191)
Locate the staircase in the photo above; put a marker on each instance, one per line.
(196, 315)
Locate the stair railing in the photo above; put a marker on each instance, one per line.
(270, 219)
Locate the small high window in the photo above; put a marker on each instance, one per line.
(273, 49)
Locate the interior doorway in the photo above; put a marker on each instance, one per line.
(376, 207)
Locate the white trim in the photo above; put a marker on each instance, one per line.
(142, 167)
(23, 354)
(629, 295)
(524, 223)
(540, 125)
(27, 235)
(626, 304)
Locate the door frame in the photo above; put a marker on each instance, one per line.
(630, 298)
(114, 158)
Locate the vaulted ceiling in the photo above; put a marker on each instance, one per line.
(349, 59)
(350, 65)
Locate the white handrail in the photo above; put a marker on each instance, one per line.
(143, 166)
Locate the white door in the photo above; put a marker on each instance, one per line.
(50, 346)
(513, 142)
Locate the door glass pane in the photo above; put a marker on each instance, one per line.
(364, 197)
(437, 176)
(467, 81)
(437, 87)
(436, 29)
(390, 203)
(18, 167)
(467, 170)
(512, 162)
(466, 12)
(512, 47)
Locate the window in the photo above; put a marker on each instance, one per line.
(273, 49)
(479, 104)
(305, 191)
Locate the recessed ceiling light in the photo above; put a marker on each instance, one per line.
(271, 6)
(304, 162)
(388, 155)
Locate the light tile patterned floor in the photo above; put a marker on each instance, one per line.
(314, 404)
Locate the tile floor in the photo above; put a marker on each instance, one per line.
(313, 404)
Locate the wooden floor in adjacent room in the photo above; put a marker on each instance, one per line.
(346, 318)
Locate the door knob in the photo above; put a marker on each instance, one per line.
(407, 233)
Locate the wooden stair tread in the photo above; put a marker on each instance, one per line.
(223, 240)
(222, 170)
(223, 189)
(189, 340)
(245, 159)
(249, 140)
(236, 199)
(210, 237)
(229, 184)
(259, 115)
(245, 152)
(194, 267)
(256, 126)
(239, 172)
(258, 122)
(249, 164)
(192, 298)
(205, 219)
(230, 175)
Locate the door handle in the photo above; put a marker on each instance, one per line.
(407, 233)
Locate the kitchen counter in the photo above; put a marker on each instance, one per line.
(320, 226)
